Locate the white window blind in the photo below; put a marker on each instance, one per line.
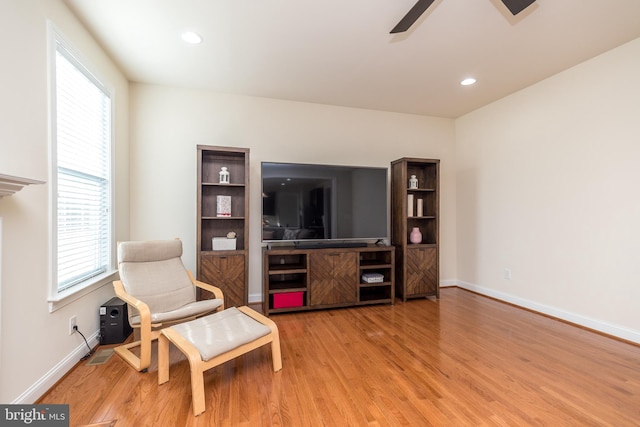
(82, 156)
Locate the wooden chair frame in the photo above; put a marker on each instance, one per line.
(148, 332)
(198, 366)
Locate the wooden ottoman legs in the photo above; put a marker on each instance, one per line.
(198, 366)
(195, 365)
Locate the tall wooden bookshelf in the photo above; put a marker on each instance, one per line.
(227, 268)
(416, 263)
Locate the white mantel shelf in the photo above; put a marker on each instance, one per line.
(12, 184)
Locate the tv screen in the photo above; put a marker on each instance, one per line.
(323, 202)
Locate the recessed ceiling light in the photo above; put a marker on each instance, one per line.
(468, 81)
(191, 37)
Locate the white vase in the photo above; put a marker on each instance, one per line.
(413, 182)
(415, 236)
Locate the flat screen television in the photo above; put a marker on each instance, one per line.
(325, 204)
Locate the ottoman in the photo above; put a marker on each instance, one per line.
(214, 339)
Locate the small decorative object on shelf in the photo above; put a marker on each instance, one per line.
(415, 236)
(410, 205)
(373, 278)
(413, 182)
(224, 175)
(419, 206)
(223, 206)
(223, 244)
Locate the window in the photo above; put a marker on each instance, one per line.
(81, 173)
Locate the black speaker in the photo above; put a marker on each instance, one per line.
(114, 322)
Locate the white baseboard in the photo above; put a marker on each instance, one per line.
(43, 385)
(587, 322)
(448, 283)
(255, 298)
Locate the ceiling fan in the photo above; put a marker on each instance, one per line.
(514, 6)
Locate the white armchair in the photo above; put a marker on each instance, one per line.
(160, 292)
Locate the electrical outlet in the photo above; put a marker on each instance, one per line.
(72, 324)
(507, 274)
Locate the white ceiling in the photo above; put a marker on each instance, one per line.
(340, 52)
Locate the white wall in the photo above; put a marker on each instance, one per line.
(548, 187)
(36, 348)
(168, 123)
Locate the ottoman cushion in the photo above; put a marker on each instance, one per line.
(221, 332)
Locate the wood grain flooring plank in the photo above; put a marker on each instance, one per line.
(463, 360)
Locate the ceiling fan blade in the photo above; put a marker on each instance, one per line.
(517, 6)
(412, 16)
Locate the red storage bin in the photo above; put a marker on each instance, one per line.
(287, 299)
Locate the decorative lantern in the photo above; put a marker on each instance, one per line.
(224, 175)
(413, 182)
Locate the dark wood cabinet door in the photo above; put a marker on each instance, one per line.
(334, 278)
(422, 271)
(321, 279)
(345, 274)
(227, 272)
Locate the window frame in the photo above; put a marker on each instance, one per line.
(60, 298)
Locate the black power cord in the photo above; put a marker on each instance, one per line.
(86, 356)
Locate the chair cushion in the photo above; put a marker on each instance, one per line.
(192, 309)
(153, 272)
(220, 332)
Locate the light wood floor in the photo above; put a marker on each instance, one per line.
(462, 360)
